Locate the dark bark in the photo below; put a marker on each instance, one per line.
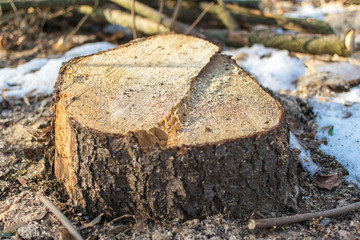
(236, 178)
(221, 147)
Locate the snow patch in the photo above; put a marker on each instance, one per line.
(343, 141)
(274, 69)
(306, 162)
(309, 11)
(41, 74)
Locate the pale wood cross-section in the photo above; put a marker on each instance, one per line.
(166, 127)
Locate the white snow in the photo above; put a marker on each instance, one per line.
(41, 74)
(343, 141)
(345, 70)
(306, 161)
(309, 11)
(273, 68)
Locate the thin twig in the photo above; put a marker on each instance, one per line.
(64, 220)
(231, 24)
(152, 14)
(83, 19)
(133, 27)
(269, 222)
(13, 6)
(202, 14)
(161, 9)
(175, 14)
(63, 40)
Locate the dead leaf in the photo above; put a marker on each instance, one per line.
(347, 115)
(13, 227)
(345, 235)
(21, 181)
(327, 181)
(93, 222)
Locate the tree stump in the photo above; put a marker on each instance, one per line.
(167, 128)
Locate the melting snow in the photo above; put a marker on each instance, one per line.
(273, 68)
(309, 11)
(41, 74)
(343, 141)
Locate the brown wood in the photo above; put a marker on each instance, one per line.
(271, 222)
(300, 42)
(167, 128)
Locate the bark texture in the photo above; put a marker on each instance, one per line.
(213, 142)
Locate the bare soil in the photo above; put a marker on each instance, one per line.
(25, 133)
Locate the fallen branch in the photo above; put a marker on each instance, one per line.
(154, 15)
(306, 43)
(62, 218)
(124, 19)
(269, 222)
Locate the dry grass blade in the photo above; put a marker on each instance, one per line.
(13, 6)
(202, 14)
(133, 27)
(62, 218)
(161, 9)
(175, 14)
(62, 44)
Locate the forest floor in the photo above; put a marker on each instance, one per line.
(24, 134)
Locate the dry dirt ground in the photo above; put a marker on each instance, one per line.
(24, 135)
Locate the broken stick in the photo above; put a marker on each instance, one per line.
(62, 218)
(269, 222)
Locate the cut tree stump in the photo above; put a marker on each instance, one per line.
(167, 128)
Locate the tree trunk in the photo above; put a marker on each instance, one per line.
(167, 128)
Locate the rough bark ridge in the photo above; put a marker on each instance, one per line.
(216, 144)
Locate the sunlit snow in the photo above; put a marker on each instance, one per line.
(309, 11)
(273, 68)
(41, 74)
(343, 141)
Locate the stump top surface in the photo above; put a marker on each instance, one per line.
(171, 90)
